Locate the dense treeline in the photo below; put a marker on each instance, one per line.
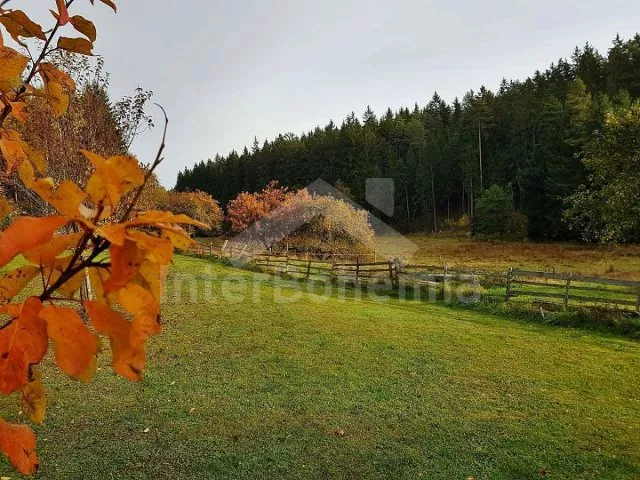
(528, 138)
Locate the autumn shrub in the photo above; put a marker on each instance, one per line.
(329, 225)
(251, 215)
(197, 205)
(279, 218)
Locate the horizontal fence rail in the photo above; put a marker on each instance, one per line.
(560, 289)
(566, 289)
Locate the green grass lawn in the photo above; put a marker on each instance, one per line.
(346, 388)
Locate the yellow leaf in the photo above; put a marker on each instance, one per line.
(145, 310)
(47, 253)
(84, 26)
(12, 64)
(155, 217)
(66, 197)
(75, 45)
(59, 100)
(158, 250)
(178, 237)
(97, 277)
(129, 172)
(34, 398)
(50, 72)
(128, 360)
(151, 277)
(13, 282)
(76, 347)
(112, 178)
(125, 263)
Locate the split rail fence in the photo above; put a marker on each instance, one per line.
(545, 288)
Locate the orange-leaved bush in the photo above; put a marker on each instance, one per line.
(98, 237)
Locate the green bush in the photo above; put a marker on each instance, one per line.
(495, 217)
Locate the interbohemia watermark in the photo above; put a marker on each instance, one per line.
(211, 286)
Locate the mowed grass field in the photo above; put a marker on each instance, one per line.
(253, 378)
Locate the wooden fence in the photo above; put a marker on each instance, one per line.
(313, 269)
(563, 290)
(566, 289)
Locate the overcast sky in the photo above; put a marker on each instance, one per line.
(228, 70)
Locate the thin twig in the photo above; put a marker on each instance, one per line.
(159, 158)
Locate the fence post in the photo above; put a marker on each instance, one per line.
(308, 269)
(509, 279)
(268, 257)
(357, 269)
(286, 263)
(566, 291)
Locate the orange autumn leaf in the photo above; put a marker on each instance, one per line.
(75, 45)
(26, 233)
(12, 149)
(34, 398)
(157, 249)
(98, 277)
(145, 310)
(128, 360)
(20, 111)
(23, 26)
(12, 283)
(156, 217)
(54, 270)
(47, 253)
(125, 263)
(109, 3)
(18, 444)
(84, 26)
(23, 342)
(75, 346)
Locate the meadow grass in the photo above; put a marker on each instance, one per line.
(621, 262)
(253, 379)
